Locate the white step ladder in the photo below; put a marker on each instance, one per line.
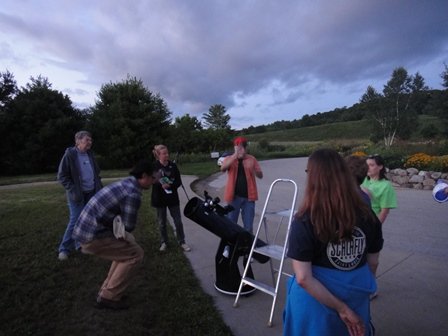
(276, 244)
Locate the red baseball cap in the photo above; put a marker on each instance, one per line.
(240, 141)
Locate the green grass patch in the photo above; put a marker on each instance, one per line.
(5, 180)
(342, 130)
(200, 169)
(43, 296)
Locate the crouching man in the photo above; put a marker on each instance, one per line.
(104, 229)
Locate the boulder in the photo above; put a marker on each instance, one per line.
(400, 172)
(412, 171)
(429, 182)
(436, 175)
(416, 179)
(422, 173)
(400, 179)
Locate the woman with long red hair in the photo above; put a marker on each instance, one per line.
(334, 244)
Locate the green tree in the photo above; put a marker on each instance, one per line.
(186, 135)
(127, 121)
(306, 121)
(391, 112)
(444, 76)
(39, 123)
(8, 88)
(216, 118)
(217, 139)
(218, 131)
(420, 93)
(371, 102)
(441, 101)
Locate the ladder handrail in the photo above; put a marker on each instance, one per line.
(285, 243)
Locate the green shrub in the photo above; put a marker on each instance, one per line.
(263, 144)
(429, 131)
(439, 163)
(191, 157)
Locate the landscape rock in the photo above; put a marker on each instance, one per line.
(429, 182)
(413, 178)
(436, 175)
(412, 171)
(416, 179)
(400, 179)
(401, 172)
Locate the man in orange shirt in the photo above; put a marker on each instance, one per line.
(241, 188)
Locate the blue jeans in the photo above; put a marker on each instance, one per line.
(162, 219)
(247, 209)
(75, 208)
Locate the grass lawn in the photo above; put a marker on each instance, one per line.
(200, 169)
(43, 296)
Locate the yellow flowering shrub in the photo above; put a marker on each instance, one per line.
(359, 153)
(425, 161)
(440, 163)
(419, 161)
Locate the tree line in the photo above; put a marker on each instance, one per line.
(392, 112)
(126, 121)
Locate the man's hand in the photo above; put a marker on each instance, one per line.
(239, 151)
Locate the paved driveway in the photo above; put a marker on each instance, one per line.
(412, 276)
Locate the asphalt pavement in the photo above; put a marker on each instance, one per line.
(412, 275)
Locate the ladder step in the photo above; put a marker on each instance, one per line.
(273, 251)
(259, 285)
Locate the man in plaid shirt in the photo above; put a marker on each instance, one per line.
(94, 230)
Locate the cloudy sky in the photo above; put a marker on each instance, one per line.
(264, 60)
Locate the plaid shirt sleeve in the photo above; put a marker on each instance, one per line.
(129, 208)
(86, 226)
(122, 198)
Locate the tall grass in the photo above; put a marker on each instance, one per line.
(43, 296)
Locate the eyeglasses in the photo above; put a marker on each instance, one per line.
(373, 156)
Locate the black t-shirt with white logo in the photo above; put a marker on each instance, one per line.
(346, 255)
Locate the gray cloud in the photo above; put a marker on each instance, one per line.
(201, 53)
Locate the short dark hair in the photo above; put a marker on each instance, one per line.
(142, 167)
(358, 167)
(380, 162)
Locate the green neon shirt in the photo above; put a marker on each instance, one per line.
(382, 194)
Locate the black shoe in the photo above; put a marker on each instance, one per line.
(110, 304)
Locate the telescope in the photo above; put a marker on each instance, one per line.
(235, 242)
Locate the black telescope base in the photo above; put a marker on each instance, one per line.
(228, 277)
(247, 290)
(235, 242)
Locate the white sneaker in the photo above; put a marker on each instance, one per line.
(62, 256)
(185, 247)
(163, 247)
